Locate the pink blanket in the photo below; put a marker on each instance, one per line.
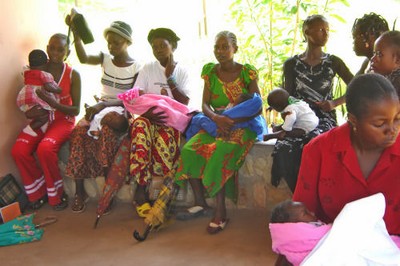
(176, 112)
(296, 240)
(358, 236)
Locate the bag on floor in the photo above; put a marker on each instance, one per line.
(11, 191)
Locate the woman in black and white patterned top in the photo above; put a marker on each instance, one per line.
(309, 76)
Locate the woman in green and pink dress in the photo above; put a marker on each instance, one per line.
(211, 163)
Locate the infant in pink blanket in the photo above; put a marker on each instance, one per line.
(177, 114)
(296, 231)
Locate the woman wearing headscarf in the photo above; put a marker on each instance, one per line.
(154, 147)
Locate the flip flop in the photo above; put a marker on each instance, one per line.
(214, 228)
(194, 212)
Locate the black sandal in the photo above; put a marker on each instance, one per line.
(63, 204)
(36, 205)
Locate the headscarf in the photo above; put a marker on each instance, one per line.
(164, 33)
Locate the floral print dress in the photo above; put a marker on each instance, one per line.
(216, 160)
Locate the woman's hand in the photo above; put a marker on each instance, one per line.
(326, 106)
(170, 67)
(68, 20)
(45, 97)
(155, 118)
(224, 123)
(93, 110)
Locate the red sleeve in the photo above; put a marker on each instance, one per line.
(307, 183)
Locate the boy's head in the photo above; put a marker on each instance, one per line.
(116, 121)
(292, 212)
(278, 99)
(37, 58)
(386, 53)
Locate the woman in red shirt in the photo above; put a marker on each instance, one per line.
(357, 159)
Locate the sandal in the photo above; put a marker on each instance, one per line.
(143, 210)
(194, 212)
(63, 204)
(36, 205)
(214, 228)
(79, 204)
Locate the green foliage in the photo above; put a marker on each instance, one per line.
(270, 32)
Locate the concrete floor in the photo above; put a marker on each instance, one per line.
(73, 241)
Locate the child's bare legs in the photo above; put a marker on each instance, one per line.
(40, 120)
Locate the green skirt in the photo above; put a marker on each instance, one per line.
(215, 160)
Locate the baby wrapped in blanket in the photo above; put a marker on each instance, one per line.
(247, 105)
(177, 114)
(358, 235)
